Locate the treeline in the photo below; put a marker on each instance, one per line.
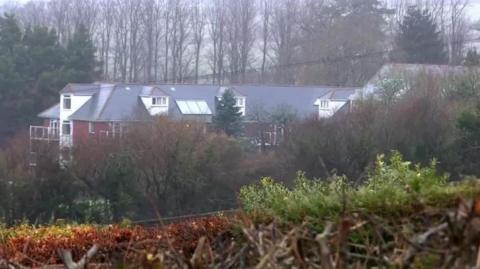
(288, 41)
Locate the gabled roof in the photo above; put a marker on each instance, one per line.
(113, 103)
(339, 94)
(153, 91)
(81, 89)
(51, 113)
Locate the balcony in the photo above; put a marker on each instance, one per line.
(44, 133)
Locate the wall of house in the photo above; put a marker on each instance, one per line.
(81, 133)
(66, 140)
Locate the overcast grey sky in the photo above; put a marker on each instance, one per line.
(473, 10)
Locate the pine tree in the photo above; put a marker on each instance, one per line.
(10, 34)
(418, 40)
(228, 117)
(81, 62)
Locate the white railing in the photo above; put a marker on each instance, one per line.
(44, 133)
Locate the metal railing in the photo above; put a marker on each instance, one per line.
(44, 133)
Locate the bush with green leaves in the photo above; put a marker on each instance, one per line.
(393, 187)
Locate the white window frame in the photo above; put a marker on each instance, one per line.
(65, 98)
(53, 124)
(69, 123)
(91, 127)
(240, 101)
(160, 101)
(324, 104)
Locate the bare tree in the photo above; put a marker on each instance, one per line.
(217, 27)
(241, 29)
(106, 21)
(266, 7)
(285, 30)
(198, 27)
(458, 30)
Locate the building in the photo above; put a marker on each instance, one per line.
(406, 72)
(106, 110)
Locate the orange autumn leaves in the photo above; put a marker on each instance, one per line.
(38, 246)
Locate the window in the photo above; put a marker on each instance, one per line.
(324, 104)
(159, 101)
(53, 124)
(116, 128)
(240, 101)
(91, 127)
(66, 127)
(67, 102)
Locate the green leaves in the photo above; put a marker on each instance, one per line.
(394, 187)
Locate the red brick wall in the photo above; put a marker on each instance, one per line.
(46, 123)
(81, 134)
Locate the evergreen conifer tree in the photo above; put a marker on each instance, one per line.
(81, 63)
(228, 117)
(419, 40)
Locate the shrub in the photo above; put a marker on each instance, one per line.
(393, 187)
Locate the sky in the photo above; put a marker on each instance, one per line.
(473, 10)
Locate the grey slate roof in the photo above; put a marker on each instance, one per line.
(81, 89)
(113, 103)
(120, 102)
(51, 113)
(301, 99)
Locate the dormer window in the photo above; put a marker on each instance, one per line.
(324, 104)
(67, 102)
(160, 101)
(239, 101)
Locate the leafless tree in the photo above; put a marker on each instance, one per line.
(238, 40)
(285, 32)
(198, 27)
(266, 7)
(217, 21)
(241, 29)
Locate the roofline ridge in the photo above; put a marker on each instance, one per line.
(223, 84)
(426, 64)
(106, 101)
